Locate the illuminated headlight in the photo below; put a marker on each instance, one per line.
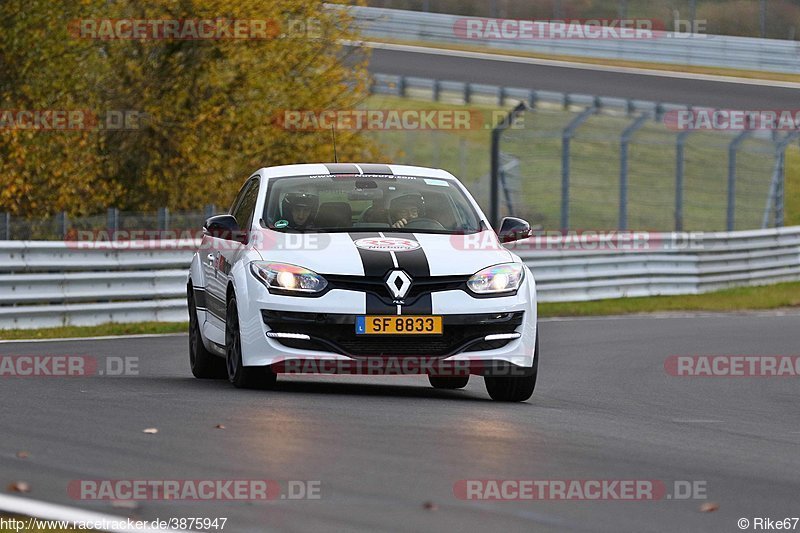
(290, 278)
(496, 279)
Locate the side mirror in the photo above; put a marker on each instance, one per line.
(224, 227)
(514, 229)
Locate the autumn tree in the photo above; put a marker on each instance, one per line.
(205, 108)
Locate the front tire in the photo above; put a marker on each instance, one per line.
(204, 364)
(448, 382)
(514, 388)
(242, 377)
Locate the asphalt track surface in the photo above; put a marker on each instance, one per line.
(583, 81)
(382, 447)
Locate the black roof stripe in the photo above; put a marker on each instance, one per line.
(373, 168)
(342, 168)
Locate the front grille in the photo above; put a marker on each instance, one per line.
(336, 332)
(377, 286)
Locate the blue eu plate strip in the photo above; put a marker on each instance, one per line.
(361, 325)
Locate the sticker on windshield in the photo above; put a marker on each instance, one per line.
(386, 244)
(281, 223)
(439, 183)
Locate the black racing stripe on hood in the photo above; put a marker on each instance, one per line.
(376, 265)
(416, 265)
(342, 168)
(372, 168)
(414, 262)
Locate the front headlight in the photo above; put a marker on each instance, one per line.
(282, 277)
(497, 279)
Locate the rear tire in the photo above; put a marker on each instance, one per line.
(204, 364)
(514, 388)
(242, 377)
(448, 382)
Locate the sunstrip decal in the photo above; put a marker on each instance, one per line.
(415, 264)
(376, 265)
(371, 168)
(342, 168)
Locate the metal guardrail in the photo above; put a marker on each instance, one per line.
(773, 55)
(50, 284)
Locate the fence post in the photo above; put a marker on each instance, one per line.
(401, 86)
(5, 217)
(623, 168)
(494, 186)
(680, 167)
(163, 219)
(467, 92)
(62, 223)
(437, 89)
(732, 147)
(112, 221)
(775, 200)
(566, 137)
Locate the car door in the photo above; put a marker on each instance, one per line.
(223, 253)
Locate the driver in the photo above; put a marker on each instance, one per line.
(300, 209)
(404, 209)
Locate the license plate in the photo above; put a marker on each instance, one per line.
(399, 325)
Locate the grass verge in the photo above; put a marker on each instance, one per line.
(103, 330)
(779, 296)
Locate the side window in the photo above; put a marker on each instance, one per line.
(245, 204)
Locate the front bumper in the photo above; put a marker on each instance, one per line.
(324, 329)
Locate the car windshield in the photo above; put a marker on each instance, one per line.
(340, 203)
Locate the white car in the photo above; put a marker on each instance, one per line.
(367, 268)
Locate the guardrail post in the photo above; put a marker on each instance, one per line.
(680, 168)
(112, 221)
(62, 223)
(532, 97)
(5, 219)
(623, 168)
(494, 186)
(401, 86)
(732, 147)
(467, 93)
(437, 90)
(566, 137)
(501, 96)
(163, 219)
